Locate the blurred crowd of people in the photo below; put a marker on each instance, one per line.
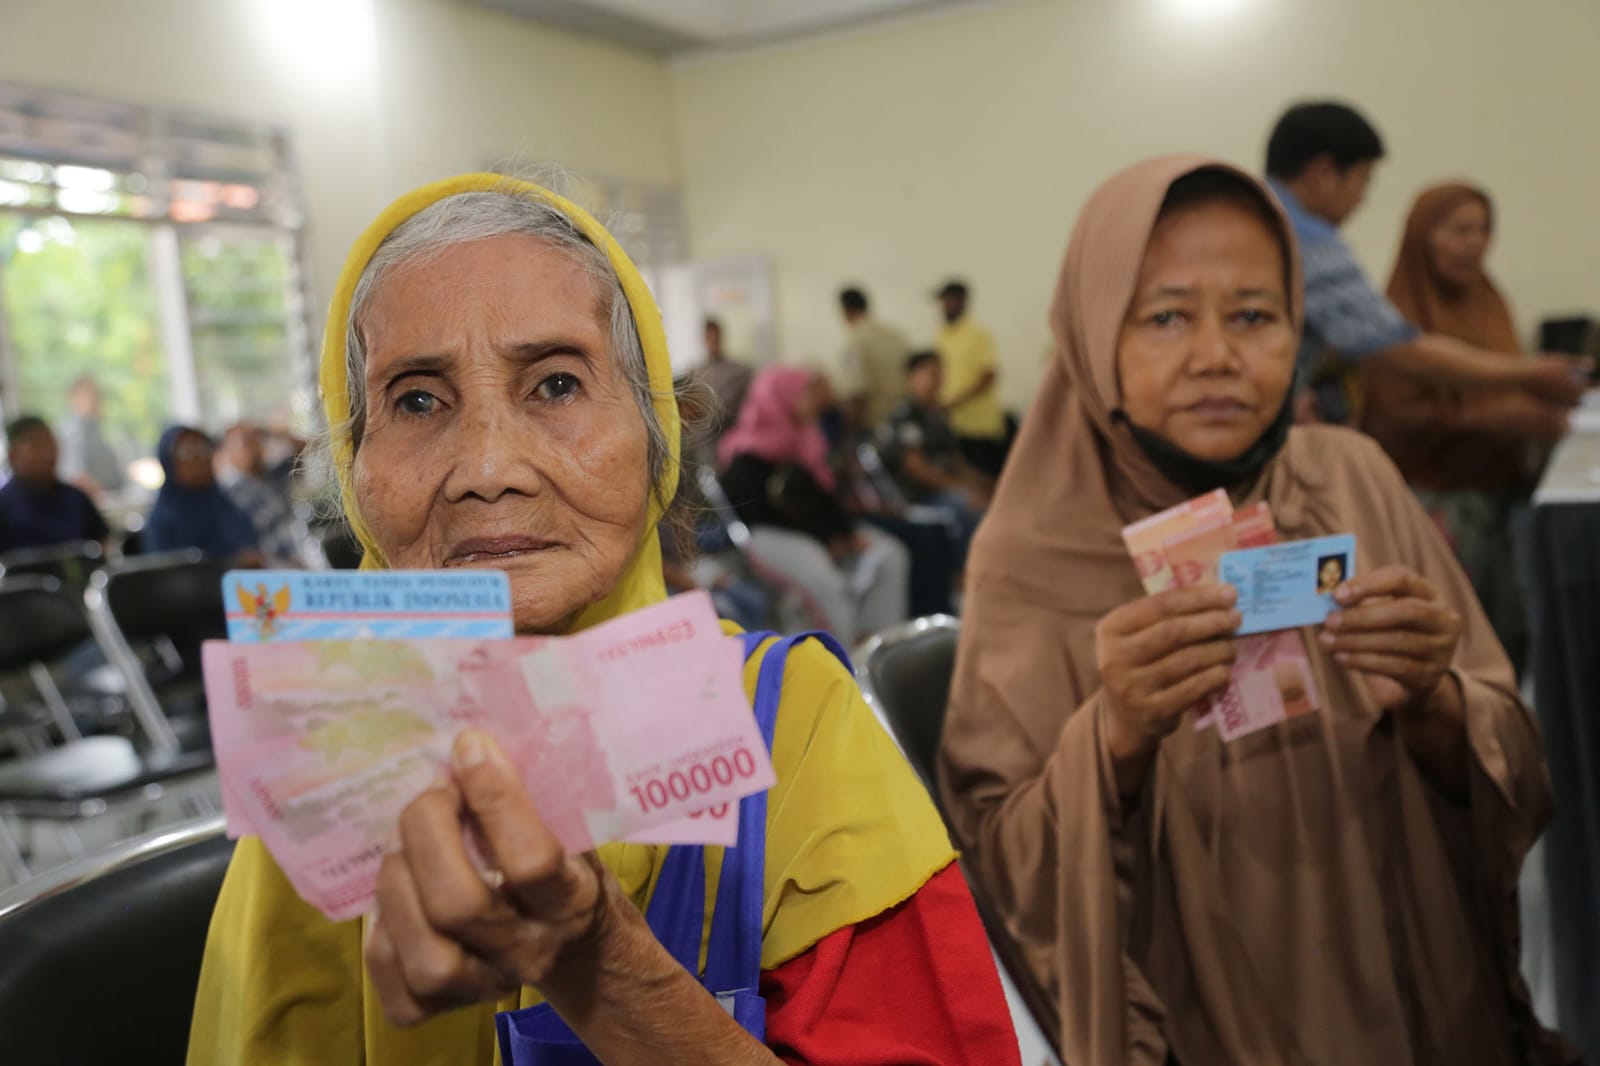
(857, 494)
(233, 498)
(859, 491)
(862, 489)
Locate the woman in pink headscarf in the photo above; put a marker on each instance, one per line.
(852, 578)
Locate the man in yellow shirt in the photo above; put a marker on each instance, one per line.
(971, 393)
(872, 372)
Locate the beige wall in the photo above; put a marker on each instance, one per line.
(378, 95)
(965, 143)
(892, 156)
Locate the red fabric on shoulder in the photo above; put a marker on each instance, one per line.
(914, 985)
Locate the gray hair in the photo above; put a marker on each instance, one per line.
(475, 216)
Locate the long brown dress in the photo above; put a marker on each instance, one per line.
(1302, 895)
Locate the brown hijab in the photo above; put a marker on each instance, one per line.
(1076, 476)
(1477, 314)
(1437, 435)
(1301, 895)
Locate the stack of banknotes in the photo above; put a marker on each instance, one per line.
(326, 724)
(1272, 677)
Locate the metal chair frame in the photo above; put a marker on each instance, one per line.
(90, 553)
(129, 853)
(881, 642)
(146, 708)
(194, 789)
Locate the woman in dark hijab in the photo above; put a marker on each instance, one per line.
(191, 510)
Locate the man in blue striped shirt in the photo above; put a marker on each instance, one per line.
(1320, 160)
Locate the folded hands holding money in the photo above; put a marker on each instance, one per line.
(1161, 655)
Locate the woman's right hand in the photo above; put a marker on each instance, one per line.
(446, 933)
(1158, 657)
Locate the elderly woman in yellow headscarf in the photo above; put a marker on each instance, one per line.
(497, 383)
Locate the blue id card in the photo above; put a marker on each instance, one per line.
(348, 604)
(1284, 586)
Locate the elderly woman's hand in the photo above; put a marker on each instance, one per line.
(1394, 628)
(1159, 656)
(446, 933)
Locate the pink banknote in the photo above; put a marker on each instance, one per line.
(712, 825)
(1272, 677)
(1147, 539)
(629, 728)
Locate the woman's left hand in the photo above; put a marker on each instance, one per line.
(447, 934)
(1395, 629)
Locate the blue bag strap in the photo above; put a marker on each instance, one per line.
(677, 910)
(733, 955)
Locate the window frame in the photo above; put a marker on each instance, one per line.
(164, 146)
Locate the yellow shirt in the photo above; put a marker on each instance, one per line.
(874, 366)
(850, 833)
(967, 351)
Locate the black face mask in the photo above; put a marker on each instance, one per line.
(1198, 476)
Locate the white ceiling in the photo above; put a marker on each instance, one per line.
(674, 27)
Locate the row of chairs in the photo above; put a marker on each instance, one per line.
(137, 919)
(104, 704)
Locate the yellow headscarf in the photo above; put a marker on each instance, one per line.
(641, 583)
(850, 831)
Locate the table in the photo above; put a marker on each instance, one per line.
(1565, 617)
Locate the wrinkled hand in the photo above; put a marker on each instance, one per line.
(447, 934)
(1560, 379)
(1395, 630)
(1159, 656)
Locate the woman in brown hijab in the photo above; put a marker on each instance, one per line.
(1338, 888)
(1470, 454)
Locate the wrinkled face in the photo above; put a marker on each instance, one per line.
(500, 429)
(1206, 352)
(33, 456)
(192, 457)
(924, 382)
(1458, 243)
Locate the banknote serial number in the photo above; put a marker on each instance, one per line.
(699, 779)
(672, 633)
(242, 696)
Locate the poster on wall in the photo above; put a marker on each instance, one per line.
(737, 292)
